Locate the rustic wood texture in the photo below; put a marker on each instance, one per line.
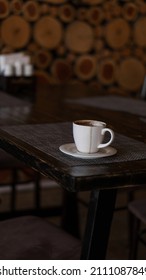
(85, 68)
(16, 6)
(117, 33)
(4, 8)
(131, 74)
(31, 11)
(15, 32)
(106, 70)
(61, 70)
(61, 30)
(42, 59)
(79, 37)
(48, 32)
(67, 13)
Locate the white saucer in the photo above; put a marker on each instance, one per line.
(70, 149)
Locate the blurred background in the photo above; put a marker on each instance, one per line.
(98, 42)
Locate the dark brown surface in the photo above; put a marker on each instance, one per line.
(44, 140)
(52, 106)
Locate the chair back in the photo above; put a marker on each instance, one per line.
(143, 90)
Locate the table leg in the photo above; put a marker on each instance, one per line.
(99, 219)
(70, 215)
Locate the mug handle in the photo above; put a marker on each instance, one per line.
(110, 141)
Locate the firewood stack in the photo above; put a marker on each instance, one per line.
(97, 42)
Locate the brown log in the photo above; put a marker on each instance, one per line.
(98, 31)
(117, 33)
(32, 47)
(140, 53)
(108, 16)
(125, 52)
(94, 15)
(53, 11)
(117, 10)
(31, 11)
(140, 32)
(16, 6)
(61, 50)
(81, 13)
(71, 58)
(4, 9)
(112, 9)
(130, 74)
(42, 59)
(108, 8)
(106, 53)
(15, 32)
(61, 70)
(66, 13)
(44, 9)
(109, 5)
(99, 45)
(48, 32)
(106, 71)
(42, 76)
(122, 54)
(130, 11)
(6, 50)
(1, 43)
(142, 8)
(79, 37)
(85, 67)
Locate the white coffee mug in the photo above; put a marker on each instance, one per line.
(89, 134)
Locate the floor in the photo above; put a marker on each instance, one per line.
(52, 194)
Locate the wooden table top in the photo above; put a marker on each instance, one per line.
(34, 132)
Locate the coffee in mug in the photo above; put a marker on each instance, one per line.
(89, 135)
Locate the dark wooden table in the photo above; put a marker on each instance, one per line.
(33, 133)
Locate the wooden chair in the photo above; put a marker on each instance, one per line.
(13, 166)
(34, 238)
(137, 211)
(10, 163)
(67, 210)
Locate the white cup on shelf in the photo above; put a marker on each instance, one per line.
(18, 69)
(8, 70)
(28, 70)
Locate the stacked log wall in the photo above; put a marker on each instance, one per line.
(97, 42)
